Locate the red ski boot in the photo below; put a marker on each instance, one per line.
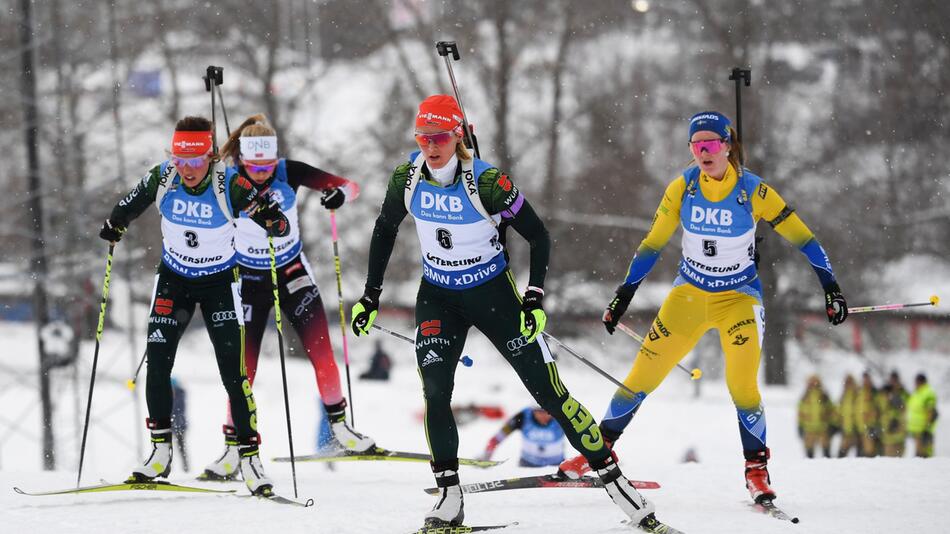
(757, 475)
(576, 467)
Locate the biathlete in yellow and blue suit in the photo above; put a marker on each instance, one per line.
(718, 203)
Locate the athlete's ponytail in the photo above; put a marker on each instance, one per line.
(255, 125)
(735, 152)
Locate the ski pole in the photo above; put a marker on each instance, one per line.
(588, 363)
(280, 345)
(934, 300)
(130, 383)
(466, 360)
(695, 374)
(339, 294)
(740, 75)
(95, 356)
(214, 76)
(445, 48)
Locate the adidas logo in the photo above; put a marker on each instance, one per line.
(156, 337)
(430, 358)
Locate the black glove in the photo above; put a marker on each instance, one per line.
(618, 306)
(533, 319)
(271, 219)
(332, 198)
(364, 311)
(112, 231)
(835, 304)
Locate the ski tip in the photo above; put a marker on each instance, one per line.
(18, 490)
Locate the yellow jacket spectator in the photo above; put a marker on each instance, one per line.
(867, 417)
(816, 415)
(891, 402)
(922, 417)
(846, 418)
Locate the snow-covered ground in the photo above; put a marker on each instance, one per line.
(840, 496)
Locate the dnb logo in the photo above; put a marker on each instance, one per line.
(163, 306)
(430, 328)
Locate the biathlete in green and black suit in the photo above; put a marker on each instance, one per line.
(457, 203)
(198, 200)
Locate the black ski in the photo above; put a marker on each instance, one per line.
(542, 481)
(380, 454)
(461, 529)
(768, 507)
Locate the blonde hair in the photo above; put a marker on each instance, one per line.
(254, 126)
(462, 151)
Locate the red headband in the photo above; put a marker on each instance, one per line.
(191, 143)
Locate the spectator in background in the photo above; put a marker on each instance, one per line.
(543, 438)
(816, 416)
(867, 417)
(922, 417)
(892, 401)
(846, 421)
(379, 366)
(180, 420)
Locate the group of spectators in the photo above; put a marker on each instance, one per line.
(874, 421)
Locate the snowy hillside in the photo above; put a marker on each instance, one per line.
(840, 496)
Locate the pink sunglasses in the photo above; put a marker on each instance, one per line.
(712, 146)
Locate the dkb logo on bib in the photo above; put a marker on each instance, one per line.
(441, 202)
(711, 216)
(192, 209)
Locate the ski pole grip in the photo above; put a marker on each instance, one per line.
(446, 47)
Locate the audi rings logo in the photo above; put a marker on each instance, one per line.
(222, 316)
(517, 343)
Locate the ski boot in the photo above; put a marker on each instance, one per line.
(576, 467)
(627, 497)
(159, 462)
(757, 475)
(348, 438)
(253, 470)
(228, 465)
(450, 509)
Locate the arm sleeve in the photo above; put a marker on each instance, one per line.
(665, 221)
(387, 227)
(301, 174)
(515, 423)
(500, 196)
(138, 200)
(768, 204)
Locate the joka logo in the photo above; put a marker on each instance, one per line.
(156, 337)
(192, 209)
(505, 182)
(430, 358)
(740, 339)
(430, 328)
(711, 216)
(441, 202)
(163, 306)
(220, 316)
(763, 190)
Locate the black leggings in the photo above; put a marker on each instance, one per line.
(443, 317)
(173, 305)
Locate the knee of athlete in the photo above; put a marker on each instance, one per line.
(746, 396)
(437, 391)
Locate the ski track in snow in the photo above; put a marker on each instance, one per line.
(834, 496)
